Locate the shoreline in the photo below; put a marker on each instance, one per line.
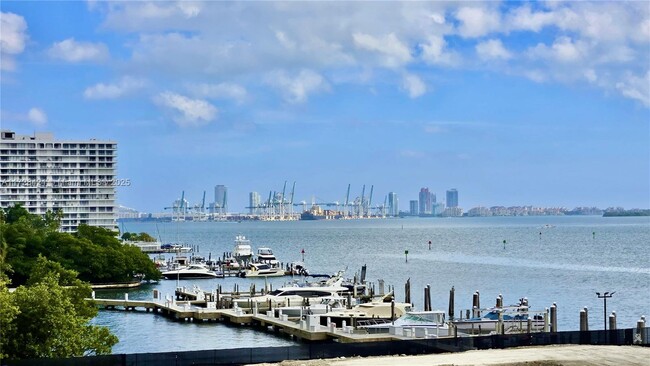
(554, 355)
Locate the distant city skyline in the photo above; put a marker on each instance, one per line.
(511, 103)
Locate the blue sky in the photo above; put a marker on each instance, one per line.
(511, 103)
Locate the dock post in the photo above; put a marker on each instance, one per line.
(451, 303)
(546, 320)
(429, 296)
(381, 287)
(407, 291)
(349, 301)
(467, 313)
(584, 320)
(612, 321)
(554, 318)
(363, 273)
(392, 311)
(640, 336)
(529, 325)
(499, 301)
(500, 328)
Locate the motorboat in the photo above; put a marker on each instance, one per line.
(291, 295)
(365, 311)
(262, 270)
(415, 323)
(242, 251)
(319, 306)
(515, 319)
(191, 271)
(265, 255)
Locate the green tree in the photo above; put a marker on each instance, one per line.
(50, 319)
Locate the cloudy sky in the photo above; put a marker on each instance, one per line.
(512, 103)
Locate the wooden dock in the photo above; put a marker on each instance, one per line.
(308, 330)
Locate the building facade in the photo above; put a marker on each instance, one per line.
(413, 207)
(452, 198)
(393, 204)
(220, 199)
(76, 177)
(254, 200)
(425, 201)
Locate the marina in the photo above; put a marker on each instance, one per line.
(563, 267)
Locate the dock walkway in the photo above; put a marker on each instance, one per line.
(308, 330)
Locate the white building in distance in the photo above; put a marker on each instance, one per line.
(75, 176)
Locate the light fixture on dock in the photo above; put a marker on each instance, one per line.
(605, 296)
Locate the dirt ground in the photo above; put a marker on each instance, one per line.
(569, 355)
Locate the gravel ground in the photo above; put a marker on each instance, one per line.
(572, 355)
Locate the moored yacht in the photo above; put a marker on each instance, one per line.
(262, 270)
(419, 323)
(265, 255)
(191, 271)
(292, 295)
(242, 251)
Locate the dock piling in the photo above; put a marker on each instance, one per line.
(584, 320)
(612, 321)
(554, 318)
(451, 303)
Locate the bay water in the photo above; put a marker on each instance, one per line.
(548, 259)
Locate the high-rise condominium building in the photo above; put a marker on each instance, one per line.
(393, 204)
(452, 198)
(425, 201)
(254, 202)
(413, 207)
(220, 199)
(76, 177)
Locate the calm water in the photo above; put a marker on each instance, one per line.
(566, 264)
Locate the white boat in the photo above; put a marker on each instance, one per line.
(292, 295)
(191, 271)
(242, 251)
(265, 255)
(365, 311)
(262, 270)
(415, 323)
(515, 319)
(318, 306)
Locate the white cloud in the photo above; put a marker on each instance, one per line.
(220, 91)
(562, 50)
(523, 18)
(636, 87)
(563, 42)
(394, 52)
(188, 112)
(297, 89)
(284, 40)
(492, 49)
(477, 21)
(112, 91)
(434, 52)
(72, 51)
(12, 39)
(37, 116)
(413, 85)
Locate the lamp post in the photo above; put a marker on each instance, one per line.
(605, 296)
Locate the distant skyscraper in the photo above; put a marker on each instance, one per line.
(425, 201)
(413, 207)
(221, 199)
(393, 204)
(254, 202)
(452, 198)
